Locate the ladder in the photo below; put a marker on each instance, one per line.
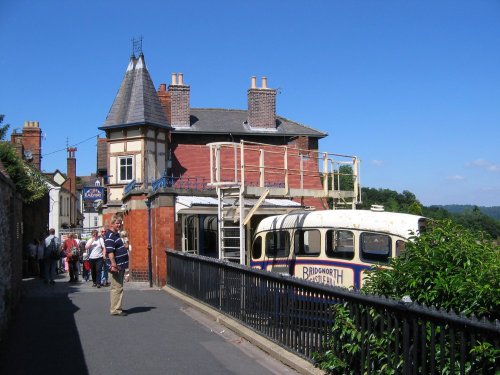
(231, 234)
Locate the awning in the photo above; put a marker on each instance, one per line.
(208, 205)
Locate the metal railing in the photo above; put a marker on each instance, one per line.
(299, 315)
(188, 183)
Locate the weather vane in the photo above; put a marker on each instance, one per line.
(137, 45)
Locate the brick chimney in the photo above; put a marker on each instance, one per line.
(261, 105)
(71, 170)
(166, 101)
(178, 95)
(28, 144)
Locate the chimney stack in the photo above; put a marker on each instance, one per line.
(71, 169)
(179, 93)
(261, 105)
(29, 144)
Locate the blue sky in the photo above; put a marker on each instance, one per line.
(411, 87)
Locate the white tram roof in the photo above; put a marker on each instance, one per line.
(399, 224)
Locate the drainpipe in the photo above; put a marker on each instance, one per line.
(150, 258)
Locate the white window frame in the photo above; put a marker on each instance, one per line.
(190, 233)
(119, 168)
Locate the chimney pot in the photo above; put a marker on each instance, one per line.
(174, 79)
(253, 82)
(180, 79)
(163, 87)
(264, 82)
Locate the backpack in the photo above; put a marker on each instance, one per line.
(47, 250)
(75, 253)
(53, 251)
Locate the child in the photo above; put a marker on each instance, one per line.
(86, 266)
(124, 237)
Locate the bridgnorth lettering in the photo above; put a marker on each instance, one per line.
(329, 276)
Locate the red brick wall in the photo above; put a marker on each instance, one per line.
(193, 160)
(163, 229)
(136, 225)
(162, 237)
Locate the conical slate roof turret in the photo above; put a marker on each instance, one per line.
(137, 102)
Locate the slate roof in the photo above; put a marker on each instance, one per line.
(137, 102)
(234, 121)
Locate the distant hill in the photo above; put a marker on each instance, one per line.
(493, 212)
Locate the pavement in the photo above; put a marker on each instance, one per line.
(66, 328)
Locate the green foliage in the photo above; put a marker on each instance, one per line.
(493, 212)
(343, 178)
(448, 267)
(29, 182)
(471, 217)
(3, 129)
(354, 349)
(390, 199)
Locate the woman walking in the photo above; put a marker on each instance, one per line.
(94, 247)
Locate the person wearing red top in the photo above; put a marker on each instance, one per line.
(67, 245)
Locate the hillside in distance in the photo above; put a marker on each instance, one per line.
(493, 212)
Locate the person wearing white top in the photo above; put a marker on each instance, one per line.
(94, 247)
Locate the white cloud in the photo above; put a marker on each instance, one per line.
(484, 164)
(455, 178)
(377, 163)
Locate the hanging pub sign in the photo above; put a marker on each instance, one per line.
(93, 193)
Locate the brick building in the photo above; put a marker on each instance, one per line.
(166, 180)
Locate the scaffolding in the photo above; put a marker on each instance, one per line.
(257, 170)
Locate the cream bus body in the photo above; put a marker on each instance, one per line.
(333, 247)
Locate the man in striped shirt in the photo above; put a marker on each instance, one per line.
(117, 262)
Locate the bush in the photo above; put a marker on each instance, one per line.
(29, 182)
(448, 267)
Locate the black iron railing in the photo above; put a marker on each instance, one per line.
(299, 315)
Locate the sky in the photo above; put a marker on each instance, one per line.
(411, 87)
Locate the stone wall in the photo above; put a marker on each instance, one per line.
(11, 261)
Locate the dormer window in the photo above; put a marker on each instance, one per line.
(126, 168)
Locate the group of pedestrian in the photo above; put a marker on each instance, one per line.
(106, 251)
(88, 256)
(40, 259)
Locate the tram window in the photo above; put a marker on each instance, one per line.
(278, 244)
(400, 247)
(307, 242)
(375, 247)
(257, 248)
(340, 244)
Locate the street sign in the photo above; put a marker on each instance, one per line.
(93, 193)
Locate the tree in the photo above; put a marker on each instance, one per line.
(3, 129)
(447, 266)
(29, 182)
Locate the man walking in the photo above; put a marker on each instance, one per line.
(49, 258)
(117, 261)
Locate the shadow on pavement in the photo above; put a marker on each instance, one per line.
(43, 337)
(139, 309)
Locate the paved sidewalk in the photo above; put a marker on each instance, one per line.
(66, 328)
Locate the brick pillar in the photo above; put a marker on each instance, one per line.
(261, 106)
(179, 96)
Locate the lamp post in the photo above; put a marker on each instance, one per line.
(150, 258)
